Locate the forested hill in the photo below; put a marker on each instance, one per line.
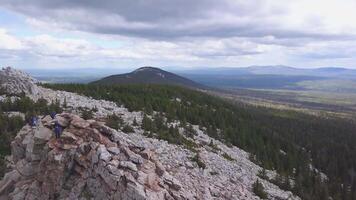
(297, 145)
(149, 75)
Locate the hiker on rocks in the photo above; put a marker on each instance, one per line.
(53, 115)
(57, 130)
(34, 122)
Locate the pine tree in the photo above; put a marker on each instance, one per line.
(134, 123)
(65, 103)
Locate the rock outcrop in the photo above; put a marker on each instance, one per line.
(87, 162)
(17, 82)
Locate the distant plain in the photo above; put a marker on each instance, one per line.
(322, 91)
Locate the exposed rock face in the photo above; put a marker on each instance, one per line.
(78, 166)
(16, 82)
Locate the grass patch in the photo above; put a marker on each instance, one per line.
(128, 129)
(227, 157)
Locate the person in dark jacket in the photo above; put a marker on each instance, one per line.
(53, 114)
(57, 130)
(34, 121)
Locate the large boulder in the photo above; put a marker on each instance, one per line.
(42, 135)
(78, 122)
(103, 153)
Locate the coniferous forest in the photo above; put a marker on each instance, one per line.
(297, 145)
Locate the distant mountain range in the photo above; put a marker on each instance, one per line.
(332, 79)
(253, 77)
(149, 75)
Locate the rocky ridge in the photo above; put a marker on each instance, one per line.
(16, 82)
(90, 160)
(171, 165)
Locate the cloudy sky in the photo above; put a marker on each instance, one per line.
(177, 33)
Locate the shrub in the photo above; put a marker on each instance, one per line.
(259, 190)
(134, 123)
(213, 173)
(262, 174)
(199, 161)
(227, 157)
(190, 131)
(128, 129)
(214, 146)
(87, 114)
(114, 121)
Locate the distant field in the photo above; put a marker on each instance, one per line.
(341, 99)
(67, 79)
(314, 102)
(277, 82)
(315, 94)
(253, 81)
(329, 85)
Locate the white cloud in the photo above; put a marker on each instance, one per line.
(182, 32)
(9, 42)
(46, 45)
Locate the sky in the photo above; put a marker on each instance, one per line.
(177, 34)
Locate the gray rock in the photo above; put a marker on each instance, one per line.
(42, 135)
(17, 150)
(189, 164)
(159, 168)
(132, 156)
(80, 123)
(17, 194)
(29, 150)
(94, 158)
(114, 163)
(96, 188)
(137, 159)
(114, 150)
(134, 192)
(171, 181)
(110, 179)
(8, 181)
(68, 137)
(15, 114)
(103, 153)
(16, 82)
(62, 121)
(115, 171)
(26, 168)
(146, 154)
(47, 121)
(128, 165)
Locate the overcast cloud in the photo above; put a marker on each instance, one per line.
(118, 33)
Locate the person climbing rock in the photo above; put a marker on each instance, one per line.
(53, 115)
(57, 130)
(34, 122)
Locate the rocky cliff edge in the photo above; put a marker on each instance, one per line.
(87, 162)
